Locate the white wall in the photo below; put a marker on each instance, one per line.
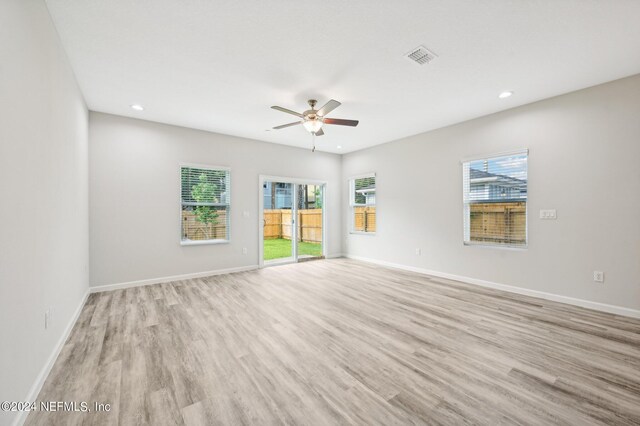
(583, 161)
(134, 196)
(43, 191)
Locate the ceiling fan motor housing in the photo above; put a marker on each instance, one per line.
(311, 114)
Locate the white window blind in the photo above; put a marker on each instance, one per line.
(495, 200)
(206, 200)
(363, 203)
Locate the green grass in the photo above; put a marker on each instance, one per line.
(280, 248)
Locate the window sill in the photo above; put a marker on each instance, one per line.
(362, 233)
(202, 242)
(497, 246)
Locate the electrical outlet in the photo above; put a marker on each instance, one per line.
(244, 250)
(598, 276)
(418, 251)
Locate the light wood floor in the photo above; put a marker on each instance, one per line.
(343, 342)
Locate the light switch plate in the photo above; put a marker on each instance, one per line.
(549, 214)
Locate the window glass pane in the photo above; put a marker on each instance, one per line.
(364, 190)
(364, 219)
(495, 200)
(363, 204)
(205, 185)
(500, 223)
(201, 223)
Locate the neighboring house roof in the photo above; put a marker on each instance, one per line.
(480, 176)
(366, 189)
(495, 188)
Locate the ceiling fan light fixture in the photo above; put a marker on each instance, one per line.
(312, 126)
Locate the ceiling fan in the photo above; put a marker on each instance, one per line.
(313, 119)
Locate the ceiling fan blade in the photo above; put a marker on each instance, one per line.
(328, 107)
(288, 111)
(341, 122)
(287, 125)
(319, 133)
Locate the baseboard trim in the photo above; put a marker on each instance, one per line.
(139, 283)
(603, 307)
(44, 373)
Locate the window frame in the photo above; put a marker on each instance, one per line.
(352, 204)
(228, 204)
(486, 244)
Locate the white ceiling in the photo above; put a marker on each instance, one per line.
(219, 65)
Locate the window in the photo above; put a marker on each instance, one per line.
(205, 201)
(495, 200)
(362, 191)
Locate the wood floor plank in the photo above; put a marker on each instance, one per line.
(343, 342)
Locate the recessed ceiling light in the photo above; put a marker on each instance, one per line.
(137, 107)
(504, 95)
(339, 147)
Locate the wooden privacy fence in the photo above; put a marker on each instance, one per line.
(364, 219)
(277, 224)
(192, 229)
(503, 223)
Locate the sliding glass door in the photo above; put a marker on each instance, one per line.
(278, 229)
(292, 221)
(309, 223)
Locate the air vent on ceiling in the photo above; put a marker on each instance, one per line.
(421, 55)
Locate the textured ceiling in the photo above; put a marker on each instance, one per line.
(220, 65)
